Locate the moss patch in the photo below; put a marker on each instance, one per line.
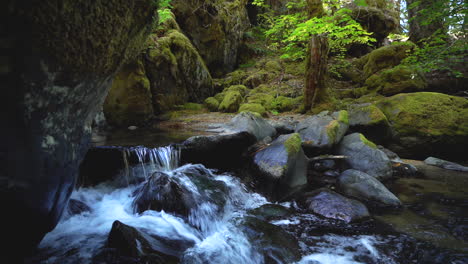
(231, 102)
(332, 130)
(397, 80)
(387, 56)
(212, 104)
(343, 117)
(367, 142)
(293, 144)
(256, 108)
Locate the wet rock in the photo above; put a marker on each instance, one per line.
(332, 205)
(76, 207)
(323, 165)
(206, 150)
(322, 131)
(129, 99)
(268, 211)
(129, 242)
(445, 164)
(163, 192)
(281, 168)
(252, 123)
(364, 155)
(370, 121)
(58, 63)
(274, 243)
(283, 127)
(367, 188)
(427, 124)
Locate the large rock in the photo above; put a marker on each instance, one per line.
(448, 165)
(59, 59)
(216, 29)
(400, 79)
(426, 124)
(369, 120)
(176, 71)
(332, 205)
(365, 187)
(377, 18)
(129, 99)
(281, 167)
(252, 123)
(323, 130)
(364, 155)
(218, 151)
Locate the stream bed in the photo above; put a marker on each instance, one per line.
(223, 221)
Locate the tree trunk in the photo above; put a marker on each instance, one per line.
(317, 56)
(418, 27)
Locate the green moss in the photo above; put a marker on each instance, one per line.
(220, 96)
(212, 104)
(260, 98)
(239, 88)
(231, 102)
(273, 66)
(385, 57)
(257, 78)
(293, 144)
(192, 106)
(256, 108)
(427, 114)
(396, 80)
(332, 130)
(282, 104)
(343, 117)
(367, 142)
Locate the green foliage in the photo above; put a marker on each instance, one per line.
(164, 11)
(291, 32)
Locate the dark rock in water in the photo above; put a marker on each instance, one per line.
(268, 211)
(274, 243)
(252, 123)
(77, 207)
(59, 60)
(163, 192)
(365, 187)
(323, 165)
(281, 168)
(218, 151)
(332, 205)
(448, 165)
(131, 243)
(283, 127)
(322, 131)
(370, 121)
(364, 155)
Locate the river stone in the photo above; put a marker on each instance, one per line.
(369, 120)
(365, 187)
(281, 167)
(448, 165)
(323, 130)
(252, 123)
(364, 155)
(217, 151)
(332, 205)
(130, 242)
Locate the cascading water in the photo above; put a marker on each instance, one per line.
(204, 226)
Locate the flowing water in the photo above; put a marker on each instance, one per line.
(213, 230)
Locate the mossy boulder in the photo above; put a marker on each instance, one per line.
(231, 102)
(263, 99)
(212, 104)
(257, 78)
(384, 57)
(397, 80)
(176, 71)
(129, 99)
(238, 88)
(376, 19)
(216, 28)
(322, 131)
(369, 120)
(427, 124)
(256, 108)
(283, 104)
(281, 167)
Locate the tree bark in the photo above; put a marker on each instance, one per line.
(315, 8)
(418, 29)
(316, 68)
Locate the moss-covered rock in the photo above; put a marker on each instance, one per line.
(231, 102)
(377, 19)
(369, 120)
(283, 104)
(397, 80)
(239, 88)
(384, 57)
(216, 28)
(257, 78)
(176, 71)
(129, 99)
(263, 99)
(212, 104)
(425, 124)
(256, 108)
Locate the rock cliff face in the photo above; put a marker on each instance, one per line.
(58, 61)
(216, 28)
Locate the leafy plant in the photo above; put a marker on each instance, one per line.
(164, 11)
